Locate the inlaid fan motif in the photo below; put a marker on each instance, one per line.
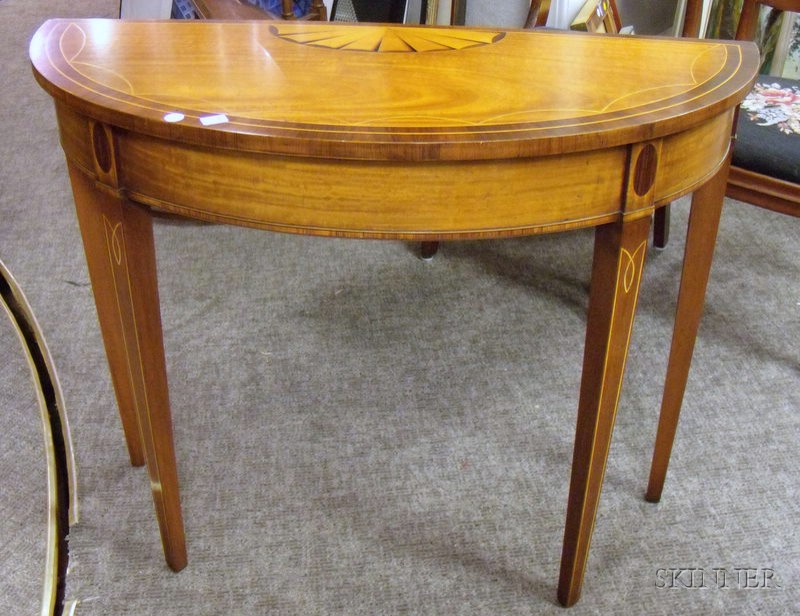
(387, 38)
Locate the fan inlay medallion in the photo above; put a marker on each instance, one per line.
(387, 38)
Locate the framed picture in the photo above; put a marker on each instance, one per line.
(786, 60)
(597, 16)
(430, 12)
(426, 12)
(777, 35)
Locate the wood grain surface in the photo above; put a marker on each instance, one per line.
(387, 91)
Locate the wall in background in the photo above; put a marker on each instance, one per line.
(145, 9)
(505, 13)
(651, 17)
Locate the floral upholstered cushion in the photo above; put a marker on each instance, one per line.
(768, 134)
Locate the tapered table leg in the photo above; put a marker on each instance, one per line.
(619, 253)
(700, 241)
(118, 240)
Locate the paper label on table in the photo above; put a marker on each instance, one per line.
(211, 120)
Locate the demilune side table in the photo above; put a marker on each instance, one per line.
(393, 132)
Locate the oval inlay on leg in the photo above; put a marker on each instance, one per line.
(644, 174)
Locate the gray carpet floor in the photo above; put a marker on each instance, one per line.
(23, 504)
(360, 432)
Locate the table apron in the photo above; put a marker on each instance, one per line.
(436, 200)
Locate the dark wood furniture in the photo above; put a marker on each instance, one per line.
(746, 185)
(391, 148)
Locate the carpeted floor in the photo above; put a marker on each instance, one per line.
(360, 432)
(23, 469)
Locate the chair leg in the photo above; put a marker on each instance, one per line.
(661, 226)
